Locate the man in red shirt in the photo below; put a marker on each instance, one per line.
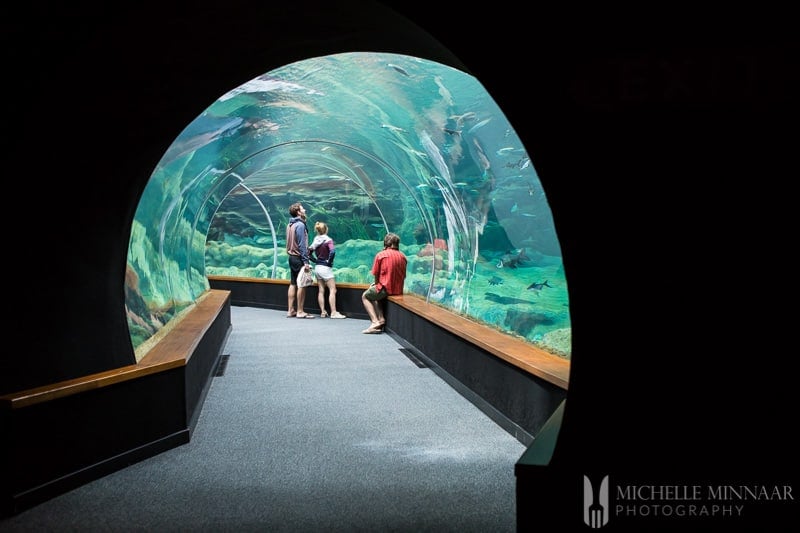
(389, 269)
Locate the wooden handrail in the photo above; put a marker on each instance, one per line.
(172, 350)
(515, 351)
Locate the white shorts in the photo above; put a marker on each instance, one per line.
(323, 272)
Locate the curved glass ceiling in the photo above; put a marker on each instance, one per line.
(370, 143)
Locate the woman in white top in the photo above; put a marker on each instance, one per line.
(321, 252)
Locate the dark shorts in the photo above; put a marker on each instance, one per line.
(295, 265)
(374, 295)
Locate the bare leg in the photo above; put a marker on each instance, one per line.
(301, 300)
(379, 313)
(369, 307)
(292, 295)
(331, 284)
(374, 311)
(321, 296)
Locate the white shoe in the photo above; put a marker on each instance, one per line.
(338, 315)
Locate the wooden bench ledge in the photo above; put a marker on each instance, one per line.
(171, 349)
(517, 352)
(273, 281)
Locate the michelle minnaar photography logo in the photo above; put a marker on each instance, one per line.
(605, 500)
(595, 503)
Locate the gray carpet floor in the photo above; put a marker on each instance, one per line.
(312, 427)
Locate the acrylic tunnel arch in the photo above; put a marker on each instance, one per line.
(369, 142)
(336, 182)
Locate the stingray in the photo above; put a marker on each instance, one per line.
(505, 300)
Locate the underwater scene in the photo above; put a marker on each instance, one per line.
(369, 143)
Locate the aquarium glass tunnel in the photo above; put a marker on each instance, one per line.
(369, 143)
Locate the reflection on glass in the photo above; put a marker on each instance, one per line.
(370, 143)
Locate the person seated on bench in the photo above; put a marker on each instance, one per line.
(389, 269)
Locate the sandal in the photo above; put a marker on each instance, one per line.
(304, 315)
(371, 330)
(291, 315)
(323, 314)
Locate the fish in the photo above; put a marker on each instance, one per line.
(291, 104)
(512, 261)
(505, 300)
(469, 115)
(479, 124)
(223, 128)
(393, 128)
(521, 163)
(495, 280)
(401, 70)
(539, 285)
(438, 293)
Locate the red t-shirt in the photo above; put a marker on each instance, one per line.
(389, 268)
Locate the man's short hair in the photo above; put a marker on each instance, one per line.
(391, 240)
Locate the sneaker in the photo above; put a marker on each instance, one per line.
(338, 315)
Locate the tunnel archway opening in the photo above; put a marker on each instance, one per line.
(370, 143)
(336, 183)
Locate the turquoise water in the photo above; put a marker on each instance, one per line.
(369, 143)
